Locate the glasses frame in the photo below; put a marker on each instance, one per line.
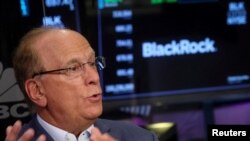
(99, 62)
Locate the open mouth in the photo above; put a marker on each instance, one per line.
(95, 98)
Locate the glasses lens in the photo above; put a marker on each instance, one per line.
(100, 63)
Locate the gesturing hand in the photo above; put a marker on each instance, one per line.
(13, 131)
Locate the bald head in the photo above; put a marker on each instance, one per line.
(39, 46)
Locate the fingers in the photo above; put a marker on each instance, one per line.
(41, 138)
(8, 130)
(27, 135)
(12, 131)
(96, 135)
(95, 132)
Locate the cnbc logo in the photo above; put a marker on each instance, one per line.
(11, 98)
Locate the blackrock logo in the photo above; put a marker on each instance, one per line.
(175, 48)
(11, 98)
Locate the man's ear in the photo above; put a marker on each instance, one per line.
(35, 93)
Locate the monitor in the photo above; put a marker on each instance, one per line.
(181, 50)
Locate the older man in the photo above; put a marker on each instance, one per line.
(57, 70)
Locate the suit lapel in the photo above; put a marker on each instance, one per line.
(39, 129)
(104, 128)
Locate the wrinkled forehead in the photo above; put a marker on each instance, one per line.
(60, 46)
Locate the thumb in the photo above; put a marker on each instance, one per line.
(95, 132)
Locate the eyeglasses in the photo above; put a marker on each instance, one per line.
(76, 70)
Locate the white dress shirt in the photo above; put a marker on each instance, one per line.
(61, 135)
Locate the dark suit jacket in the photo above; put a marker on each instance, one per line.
(122, 131)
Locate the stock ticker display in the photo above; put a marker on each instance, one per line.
(169, 47)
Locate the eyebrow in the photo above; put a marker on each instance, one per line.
(76, 60)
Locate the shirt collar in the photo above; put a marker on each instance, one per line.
(58, 134)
